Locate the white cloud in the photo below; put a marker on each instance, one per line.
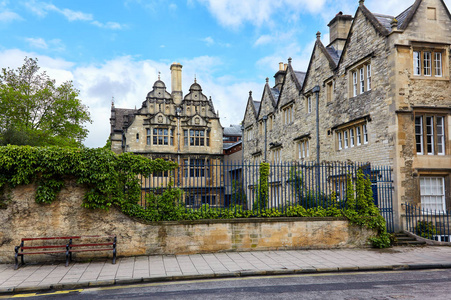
(37, 43)
(263, 40)
(41, 9)
(233, 13)
(173, 6)
(209, 41)
(7, 16)
(108, 25)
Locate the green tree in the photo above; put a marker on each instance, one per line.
(35, 111)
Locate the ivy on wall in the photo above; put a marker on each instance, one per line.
(110, 178)
(113, 179)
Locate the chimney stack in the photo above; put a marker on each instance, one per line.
(280, 75)
(176, 83)
(339, 29)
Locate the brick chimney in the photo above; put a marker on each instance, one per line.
(338, 29)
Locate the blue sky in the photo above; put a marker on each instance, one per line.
(116, 48)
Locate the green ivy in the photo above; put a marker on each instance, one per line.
(110, 179)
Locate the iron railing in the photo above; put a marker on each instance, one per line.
(229, 184)
(428, 223)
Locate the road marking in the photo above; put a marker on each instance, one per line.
(39, 295)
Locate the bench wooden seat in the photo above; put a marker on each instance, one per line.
(65, 245)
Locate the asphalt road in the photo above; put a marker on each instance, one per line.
(427, 284)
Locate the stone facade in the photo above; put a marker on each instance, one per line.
(23, 217)
(185, 130)
(384, 97)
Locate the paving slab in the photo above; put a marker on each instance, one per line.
(128, 270)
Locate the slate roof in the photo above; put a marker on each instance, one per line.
(233, 130)
(300, 76)
(384, 20)
(227, 146)
(275, 93)
(403, 16)
(123, 117)
(334, 54)
(257, 105)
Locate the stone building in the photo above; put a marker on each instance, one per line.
(384, 97)
(185, 129)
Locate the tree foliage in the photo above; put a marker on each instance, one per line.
(34, 110)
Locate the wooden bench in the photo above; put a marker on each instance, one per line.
(66, 245)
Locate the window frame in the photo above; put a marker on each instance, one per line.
(430, 137)
(432, 206)
(428, 62)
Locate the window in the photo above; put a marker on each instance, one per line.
(163, 136)
(330, 90)
(260, 127)
(359, 136)
(288, 114)
(148, 136)
(137, 137)
(427, 63)
(196, 168)
(432, 190)
(430, 134)
(345, 136)
(352, 136)
(365, 134)
(250, 134)
(360, 80)
(309, 104)
(303, 149)
(194, 137)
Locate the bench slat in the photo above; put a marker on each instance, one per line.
(88, 250)
(90, 245)
(42, 247)
(41, 252)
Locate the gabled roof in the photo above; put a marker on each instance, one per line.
(300, 77)
(327, 53)
(273, 95)
(384, 20)
(407, 15)
(253, 105)
(233, 130)
(373, 20)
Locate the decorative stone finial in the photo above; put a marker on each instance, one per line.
(289, 60)
(361, 2)
(112, 101)
(318, 35)
(195, 78)
(267, 79)
(250, 93)
(159, 75)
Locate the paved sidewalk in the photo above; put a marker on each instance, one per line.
(36, 277)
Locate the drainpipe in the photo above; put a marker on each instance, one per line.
(315, 90)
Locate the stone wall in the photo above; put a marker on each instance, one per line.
(65, 216)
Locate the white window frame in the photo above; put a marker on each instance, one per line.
(432, 193)
(368, 77)
(417, 63)
(438, 64)
(365, 134)
(362, 80)
(340, 145)
(440, 135)
(419, 135)
(351, 137)
(430, 135)
(354, 83)
(345, 138)
(359, 136)
(427, 63)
